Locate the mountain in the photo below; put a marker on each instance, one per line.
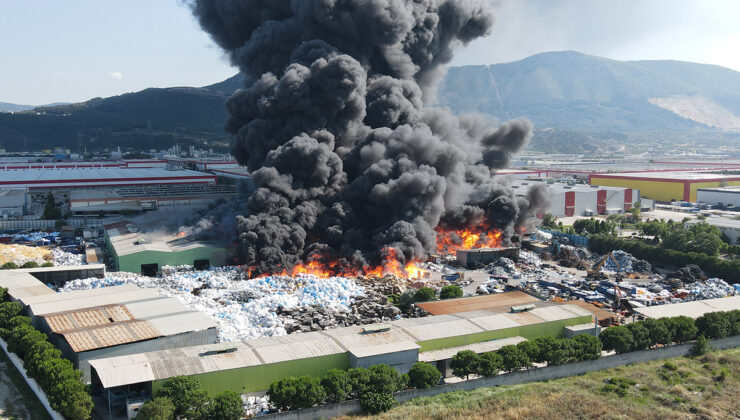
(582, 92)
(8, 107)
(578, 103)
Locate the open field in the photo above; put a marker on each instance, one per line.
(707, 387)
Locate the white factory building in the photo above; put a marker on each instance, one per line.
(568, 200)
(730, 227)
(720, 196)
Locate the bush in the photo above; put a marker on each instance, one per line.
(490, 364)
(713, 325)
(424, 294)
(512, 358)
(186, 394)
(157, 409)
(10, 265)
(9, 310)
(681, 328)
(617, 338)
(48, 264)
(587, 347)
(423, 375)
(451, 292)
(383, 379)
(30, 264)
(375, 403)
(337, 385)
(619, 386)
(227, 405)
(701, 346)
(464, 363)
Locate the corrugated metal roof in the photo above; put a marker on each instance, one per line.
(691, 309)
(75, 294)
(110, 335)
(182, 322)
(92, 301)
(448, 353)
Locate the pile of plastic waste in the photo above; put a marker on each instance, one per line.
(21, 254)
(527, 257)
(624, 259)
(710, 289)
(242, 308)
(60, 258)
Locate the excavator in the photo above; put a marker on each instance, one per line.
(620, 304)
(596, 273)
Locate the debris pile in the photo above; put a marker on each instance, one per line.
(624, 259)
(264, 306)
(710, 289)
(688, 274)
(21, 254)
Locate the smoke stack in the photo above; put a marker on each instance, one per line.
(347, 161)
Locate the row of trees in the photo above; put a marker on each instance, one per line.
(680, 329)
(10, 265)
(524, 355)
(61, 382)
(425, 294)
(659, 255)
(183, 397)
(700, 238)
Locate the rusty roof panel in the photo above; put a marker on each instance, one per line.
(119, 313)
(90, 318)
(143, 329)
(113, 335)
(60, 323)
(80, 341)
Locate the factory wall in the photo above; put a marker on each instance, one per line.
(717, 197)
(694, 186)
(402, 361)
(133, 262)
(585, 200)
(657, 190)
(258, 378)
(553, 328)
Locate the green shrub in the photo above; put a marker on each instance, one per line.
(424, 294)
(451, 291)
(10, 265)
(490, 364)
(587, 347)
(701, 346)
(657, 331)
(186, 394)
(713, 325)
(681, 328)
(383, 379)
(546, 346)
(226, 405)
(48, 264)
(617, 385)
(30, 264)
(423, 375)
(358, 380)
(375, 403)
(157, 409)
(640, 336)
(513, 359)
(617, 338)
(337, 385)
(530, 349)
(464, 363)
(282, 393)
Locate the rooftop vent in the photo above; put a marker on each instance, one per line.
(370, 329)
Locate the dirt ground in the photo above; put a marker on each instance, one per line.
(17, 401)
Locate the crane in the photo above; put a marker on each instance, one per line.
(594, 274)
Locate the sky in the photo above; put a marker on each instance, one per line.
(74, 50)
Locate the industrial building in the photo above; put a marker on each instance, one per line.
(666, 186)
(729, 227)
(693, 309)
(137, 252)
(472, 258)
(722, 196)
(250, 366)
(89, 178)
(13, 203)
(568, 200)
(112, 321)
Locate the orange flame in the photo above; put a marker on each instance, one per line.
(450, 241)
(181, 234)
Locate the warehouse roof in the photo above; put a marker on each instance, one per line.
(717, 221)
(691, 309)
(126, 239)
(670, 176)
(22, 285)
(498, 302)
(403, 335)
(70, 177)
(726, 190)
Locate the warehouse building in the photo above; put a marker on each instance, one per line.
(729, 227)
(568, 200)
(110, 321)
(665, 186)
(723, 196)
(137, 252)
(13, 203)
(472, 258)
(693, 309)
(250, 366)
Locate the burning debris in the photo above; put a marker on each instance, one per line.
(354, 175)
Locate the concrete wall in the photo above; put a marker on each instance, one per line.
(532, 375)
(716, 197)
(400, 360)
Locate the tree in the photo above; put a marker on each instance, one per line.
(226, 405)
(490, 364)
(530, 349)
(70, 398)
(451, 291)
(640, 336)
(512, 358)
(657, 331)
(14, 322)
(157, 409)
(375, 403)
(424, 294)
(701, 346)
(423, 375)
(337, 385)
(358, 379)
(282, 393)
(464, 363)
(617, 338)
(21, 336)
(713, 325)
(383, 379)
(563, 352)
(186, 394)
(406, 299)
(587, 347)
(7, 311)
(546, 345)
(51, 212)
(636, 212)
(681, 328)
(549, 221)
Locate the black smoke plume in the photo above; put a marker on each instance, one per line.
(346, 159)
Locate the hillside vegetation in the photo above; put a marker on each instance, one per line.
(707, 387)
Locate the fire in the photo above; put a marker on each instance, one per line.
(449, 241)
(181, 234)
(323, 269)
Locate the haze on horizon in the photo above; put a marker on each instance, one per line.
(75, 50)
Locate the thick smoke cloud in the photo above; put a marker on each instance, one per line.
(346, 159)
